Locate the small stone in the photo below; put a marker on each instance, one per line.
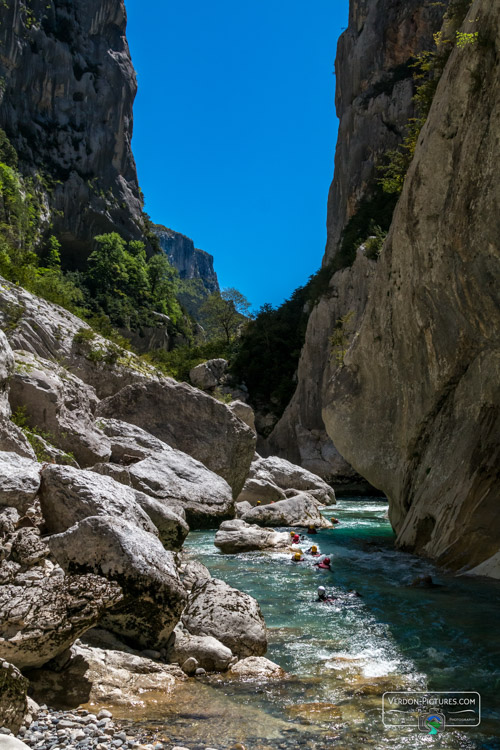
(121, 736)
(190, 666)
(103, 714)
(4, 730)
(200, 671)
(80, 735)
(117, 743)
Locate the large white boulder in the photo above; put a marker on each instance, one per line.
(209, 374)
(19, 480)
(238, 536)
(191, 421)
(153, 596)
(87, 674)
(69, 495)
(209, 652)
(51, 332)
(233, 617)
(43, 611)
(299, 510)
(256, 668)
(272, 478)
(59, 405)
(173, 477)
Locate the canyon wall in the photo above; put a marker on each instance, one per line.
(187, 259)
(374, 101)
(66, 95)
(415, 406)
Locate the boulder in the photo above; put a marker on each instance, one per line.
(51, 332)
(174, 478)
(233, 617)
(87, 674)
(19, 480)
(59, 405)
(42, 611)
(8, 742)
(244, 412)
(209, 374)
(300, 510)
(272, 478)
(256, 668)
(242, 508)
(191, 421)
(209, 652)
(13, 697)
(69, 495)
(237, 536)
(193, 572)
(11, 437)
(153, 596)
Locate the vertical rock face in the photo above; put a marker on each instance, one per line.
(66, 96)
(188, 260)
(374, 103)
(374, 95)
(416, 406)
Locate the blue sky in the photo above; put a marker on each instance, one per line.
(235, 131)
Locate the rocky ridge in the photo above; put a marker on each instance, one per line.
(62, 67)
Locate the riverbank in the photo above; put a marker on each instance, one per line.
(339, 659)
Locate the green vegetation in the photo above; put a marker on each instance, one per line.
(428, 68)
(39, 439)
(339, 340)
(223, 314)
(179, 361)
(372, 218)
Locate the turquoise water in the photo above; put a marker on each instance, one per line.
(342, 658)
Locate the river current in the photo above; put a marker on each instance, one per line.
(343, 657)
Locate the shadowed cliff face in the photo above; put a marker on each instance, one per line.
(188, 260)
(66, 99)
(374, 103)
(374, 95)
(416, 406)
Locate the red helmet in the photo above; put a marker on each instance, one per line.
(327, 560)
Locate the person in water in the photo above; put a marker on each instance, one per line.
(324, 597)
(313, 551)
(334, 520)
(324, 564)
(295, 539)
(312, 530)
(297, 556)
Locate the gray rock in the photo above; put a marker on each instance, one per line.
(271, 478)
(59, 404)
(12, 743)
(69, 495)
(19, 481)
(13, 700)
(237, 536)
(215, 436)
(11, 437)
(420, 382)
(300, 510)
(176, 479)
(231, 616)
(83, 135)
(244, 412)
(209, 374)
(153, 596)
(52, 333)
(207, 651)
(192, 572)
(256, 668)
(42, 615)
(190, 666)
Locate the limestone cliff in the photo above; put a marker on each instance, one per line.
(374, 103)
(66, 95)
(188, 260)
(415, 407)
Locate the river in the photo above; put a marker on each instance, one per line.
(343, 657)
